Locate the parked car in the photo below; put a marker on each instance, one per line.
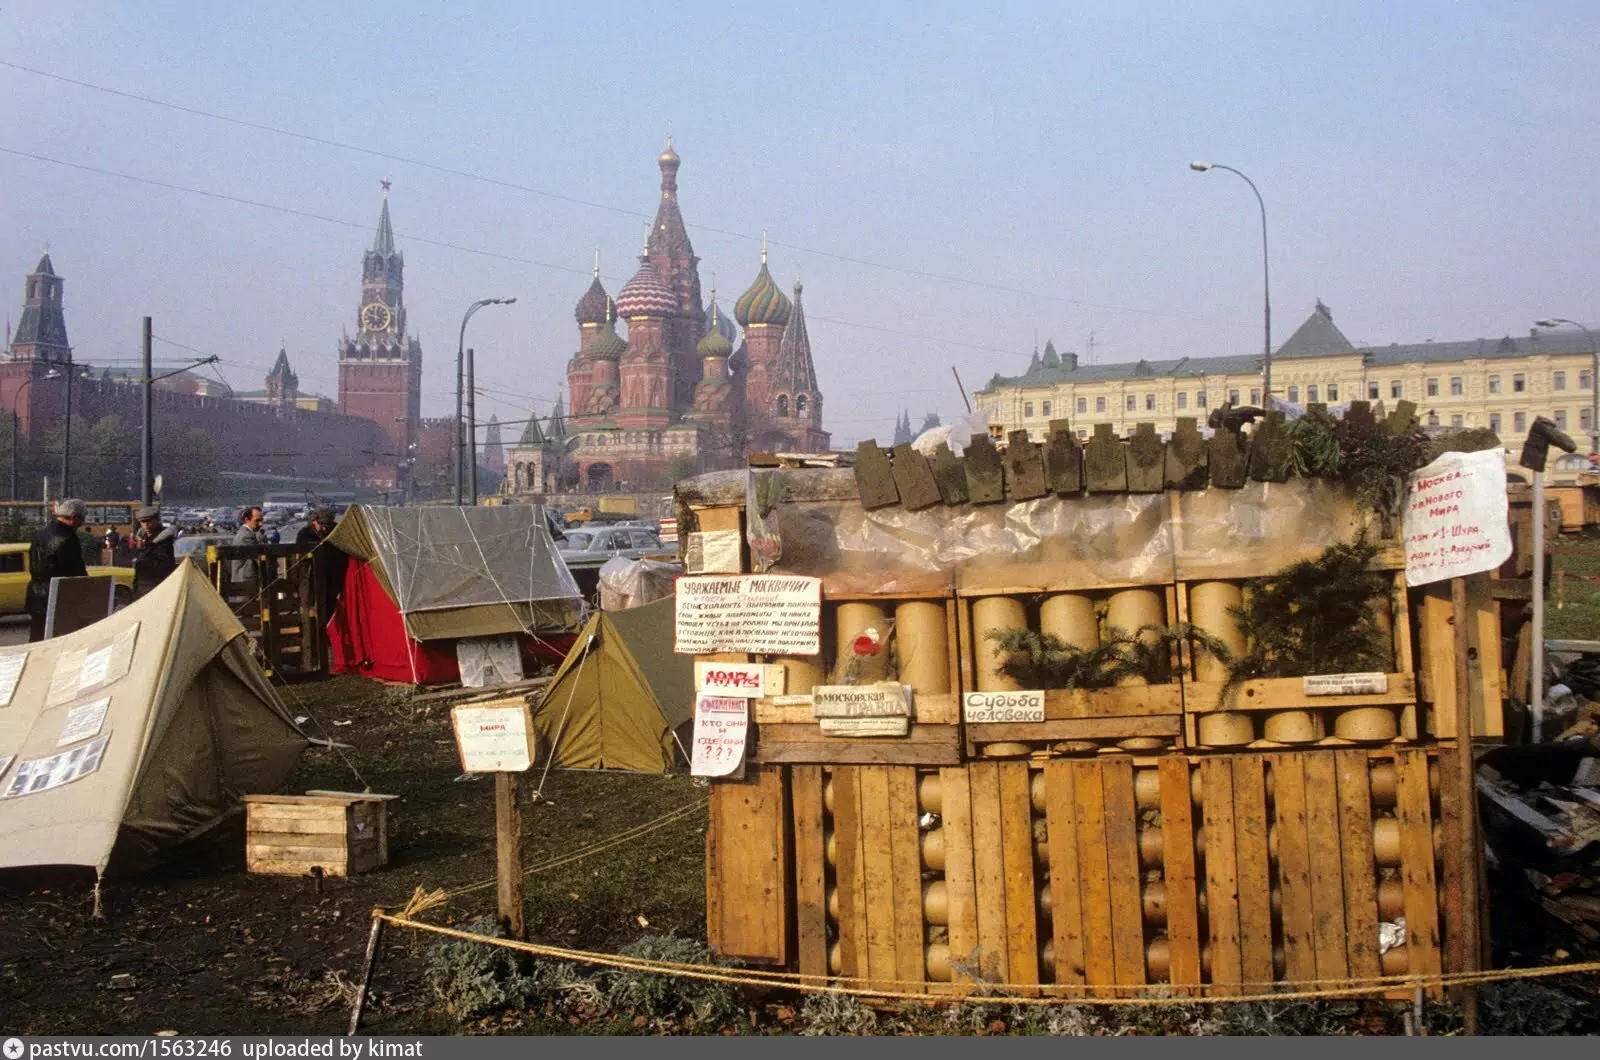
(192, 547)
(14, 576)
(592, 546)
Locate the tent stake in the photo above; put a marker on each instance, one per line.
(508, 852)
(366, 971)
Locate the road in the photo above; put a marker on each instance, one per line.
(13, 630)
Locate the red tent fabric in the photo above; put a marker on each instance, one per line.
(367, 636)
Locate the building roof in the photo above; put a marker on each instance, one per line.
(668, 234)
(717, 342)
(720, 321)
(595, 305)
(1317, 336)
(383, 242)
(45, 267)
(607, 345)
(42, 325)
(645, 295)
(794, 370)
(532, 434)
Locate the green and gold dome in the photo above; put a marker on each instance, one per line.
(764, 303)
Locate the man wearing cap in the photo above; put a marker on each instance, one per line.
(330, 562)
(56, 553)
(153, 557)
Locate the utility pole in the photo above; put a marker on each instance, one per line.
(146, 437)
(66, 436)
(472, 430)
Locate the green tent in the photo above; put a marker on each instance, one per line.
(620, 693)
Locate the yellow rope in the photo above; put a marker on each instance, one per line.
(1052, 993)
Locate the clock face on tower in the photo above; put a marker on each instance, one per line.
(375, 316)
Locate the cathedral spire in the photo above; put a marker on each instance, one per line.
(667, 234)
(383, 242)
(795, 370)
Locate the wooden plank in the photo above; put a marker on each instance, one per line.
(1063, 459)
(307, 838)
(1066, 920)
(849, 876)
(1486, 680)
(927, 745)
(320, 853)
(913, 478)
(906, 855)
(286, 867)
(926, 709)
(1327, 868)
(810, 870)
(1457, 918)
(1294, 866)
(1100, 962)
(1022, 902)
(877, 863)
(1288, 693)
(985, 477)
(1436, 648)
(874, 476)
(1178, 867)
(989, 871)
(1077, 729)
(1360, 879)
(960, 885)
(1122, 872)
(1105, 465)
(1222, 881)
(1122, 702)
(1254, 872)
(949, 474)
(1414, 812)
(753, 855)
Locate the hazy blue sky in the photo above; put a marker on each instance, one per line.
(1430, 171)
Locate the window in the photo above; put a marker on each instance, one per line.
(1311, 394)
(1233, 397)
(1183, 399)
(1133, 402)
(1494, 384)
(1150, 402)
(800, 405)
(1585, 419)
(1558, 381)
(1494, 422)
(12, 563)
(1333, 392)
(1456, 421)
(1294, 394)
(1583, 380)
(1433, 388)
(1200, 399)
(1433, 418)
(1045, 408)
(1082, 433)
(1372, 391)
(1083, 404)
(1455, 386)
(1519, 422)
(1396, 388)
(1099, 404)
(1255, 395)
(1519, 383)
(1561, 418)
(1027, 408)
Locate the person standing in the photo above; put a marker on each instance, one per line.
(56, 553)
(246, 571)
(329, 562)
(153, 557)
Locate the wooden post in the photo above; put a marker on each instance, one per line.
(366, 971)
(508, 852)
(1472, 909)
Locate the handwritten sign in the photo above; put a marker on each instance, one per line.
(1003, 706)
(744, 680)
(11, 665)
(1456, 517)
(721, 724)
(766, 613)
(714, 552)
(83, 721)
(885, 699)
(1373, 684)
(494, 738)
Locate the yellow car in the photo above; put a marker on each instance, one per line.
(14, 579)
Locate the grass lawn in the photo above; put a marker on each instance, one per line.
(1578, 618)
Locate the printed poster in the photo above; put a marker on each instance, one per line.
(1456, 517)
(84, 721)
(765, 613)
(41, 774)
(721, 724)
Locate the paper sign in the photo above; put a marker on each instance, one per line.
(1003, 706)
(800, 700)
(745, 680)
(494, 739)
(713, 552)
(96, 665)
(1346, 684)
(868, 726)
(721, 724)
(84, 670)
(885, 699)
(41, 774)
(10, 673)
(765, 613)
(83, 721)
(1456, 517)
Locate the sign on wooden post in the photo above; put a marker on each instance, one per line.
(498, 738)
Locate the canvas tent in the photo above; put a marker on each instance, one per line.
(424, 575)
(619, 694)
(142, 730)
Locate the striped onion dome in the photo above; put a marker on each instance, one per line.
(607, 345)
(595, 306)
(763, 303)
(719, 339)
(646, 296)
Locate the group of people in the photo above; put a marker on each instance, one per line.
(57, 552)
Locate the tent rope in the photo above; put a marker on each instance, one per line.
(561, 727)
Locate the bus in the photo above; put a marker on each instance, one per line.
(20, 519)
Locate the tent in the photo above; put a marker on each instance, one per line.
(619, 694)
(137, 732)
(421, 578)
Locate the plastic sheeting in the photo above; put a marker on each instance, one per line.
(1087, 541)
(465, 572)
(626, 583)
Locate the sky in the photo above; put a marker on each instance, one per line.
(953, 185)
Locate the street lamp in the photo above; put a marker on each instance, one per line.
(1266, 283)
(461, 353)
(1594, 378)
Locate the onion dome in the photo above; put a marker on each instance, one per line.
(595, 306)
(607, 345)
(718, 342)
(669, 157)
(717, 320)
(646, 296)
(763, 303)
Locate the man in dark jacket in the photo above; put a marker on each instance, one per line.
(153, 557)
(56, 553)
(329, 562)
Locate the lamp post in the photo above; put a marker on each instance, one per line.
(1266, 282)
(1594, 378)
(461, 353)
(15, 401)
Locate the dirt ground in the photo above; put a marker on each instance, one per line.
(202, 947)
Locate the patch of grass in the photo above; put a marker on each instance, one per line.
(1579, 619)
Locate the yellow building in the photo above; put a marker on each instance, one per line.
(1501, 384)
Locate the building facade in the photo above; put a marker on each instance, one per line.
(1500, 384)
(681, 393)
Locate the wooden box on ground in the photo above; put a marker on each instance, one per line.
(336, 833)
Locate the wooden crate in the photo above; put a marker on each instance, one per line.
(334, 833)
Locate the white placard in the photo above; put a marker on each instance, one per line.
(41, 774)
(83, 721)
(713, 552)
(1456, 517)
(64, 680)
(802, 699)
(774, 614)
(1003, 706)
(1372, 684)
(885, 699)
(11, 665)
(866, 726)
(96, 667)
(744, 680)
(721, 725)
(494, 739)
